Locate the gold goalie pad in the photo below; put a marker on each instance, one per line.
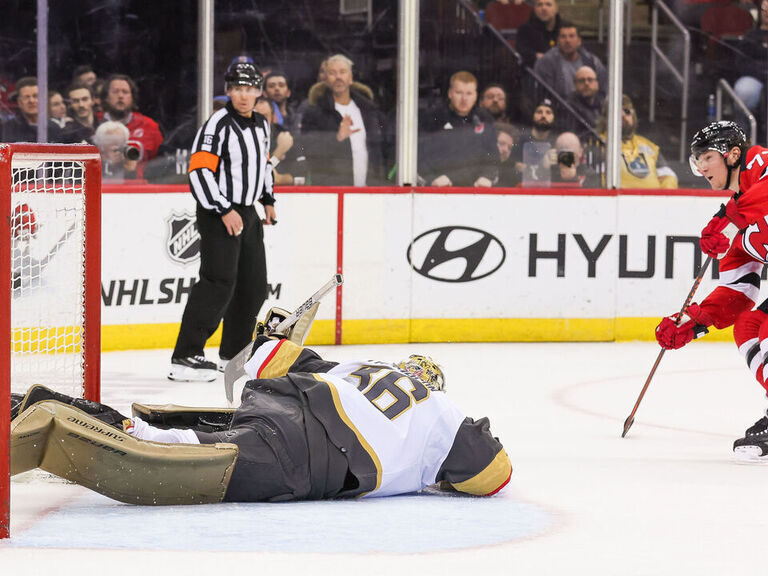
(299, 331)
(71, 444)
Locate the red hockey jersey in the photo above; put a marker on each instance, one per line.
(741, 267)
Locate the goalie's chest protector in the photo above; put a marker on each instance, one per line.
(407, 429)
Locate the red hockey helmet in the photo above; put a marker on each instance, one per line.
(23, 221)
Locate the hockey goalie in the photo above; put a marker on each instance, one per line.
(306, 428)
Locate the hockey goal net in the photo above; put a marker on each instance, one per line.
(50, 278)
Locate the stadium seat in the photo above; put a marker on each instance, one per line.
(724, 22)
(507, 18)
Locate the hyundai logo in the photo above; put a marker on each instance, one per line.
(456, 254)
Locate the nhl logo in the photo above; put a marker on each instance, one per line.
(183, 244)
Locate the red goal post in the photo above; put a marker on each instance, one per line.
(50, 279)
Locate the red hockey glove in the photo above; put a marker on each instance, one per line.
(673, 334)
(717, 235)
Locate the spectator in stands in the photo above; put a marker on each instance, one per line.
(559, 65)
(322, 79)
(753, 65)
(343, 130)
(643, 165)
(57, 110)
(121, 96)
(532, 153)
(586, 98)
(568, 158)
(535, 142)
(494, 100)
(281, 143)
(81, 107)
(23, 127)
(458, 139)
(118, 154)
(97, 91)
(84, 74)
(539, 34)
(279, 92)
(509, 175)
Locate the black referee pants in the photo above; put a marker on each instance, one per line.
(232, 285)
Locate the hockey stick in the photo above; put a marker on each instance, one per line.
(236, 366)
(18, 275)
(631, 418)
(56, 247)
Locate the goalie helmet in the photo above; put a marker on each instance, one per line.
(425, 369)
(23, 221)
(243, 73)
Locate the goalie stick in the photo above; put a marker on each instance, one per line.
(236, 366)
(631, 418)
(18, 274)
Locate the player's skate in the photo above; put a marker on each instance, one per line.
(193, 369)
(754, 446)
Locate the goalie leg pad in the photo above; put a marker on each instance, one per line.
(71, 444)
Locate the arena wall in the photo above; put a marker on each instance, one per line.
(424, 265)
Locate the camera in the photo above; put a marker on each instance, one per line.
(131, 151)
(566, 158)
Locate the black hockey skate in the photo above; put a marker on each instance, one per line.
(754, 446)
(38, 393)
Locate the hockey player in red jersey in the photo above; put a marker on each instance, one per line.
(738, 236)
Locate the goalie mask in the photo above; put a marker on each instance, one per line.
(720, 137)
(425, 369)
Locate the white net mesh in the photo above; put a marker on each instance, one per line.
(48, 264)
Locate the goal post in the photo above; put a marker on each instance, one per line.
(50, 279)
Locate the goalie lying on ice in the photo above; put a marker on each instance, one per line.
(306, 428)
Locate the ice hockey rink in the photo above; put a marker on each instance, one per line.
(668, 499)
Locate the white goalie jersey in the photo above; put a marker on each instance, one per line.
(414, 435)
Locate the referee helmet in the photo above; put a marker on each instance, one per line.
(243, 73)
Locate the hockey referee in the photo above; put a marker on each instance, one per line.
(229, 171)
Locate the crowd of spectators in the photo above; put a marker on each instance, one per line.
(101, 112)
(336, 134)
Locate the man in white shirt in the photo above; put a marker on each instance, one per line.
(343, 131)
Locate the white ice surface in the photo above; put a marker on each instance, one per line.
(668, 499)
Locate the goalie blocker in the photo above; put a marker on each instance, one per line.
(307, 428)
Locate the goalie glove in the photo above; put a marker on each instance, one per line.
(674, 332)
(716, 237)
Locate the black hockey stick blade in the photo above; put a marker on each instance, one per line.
(236, 366)
(631, 418)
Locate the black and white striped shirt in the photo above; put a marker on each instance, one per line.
(230, 161)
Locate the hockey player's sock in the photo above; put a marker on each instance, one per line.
(143, 431)
(751, 335)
